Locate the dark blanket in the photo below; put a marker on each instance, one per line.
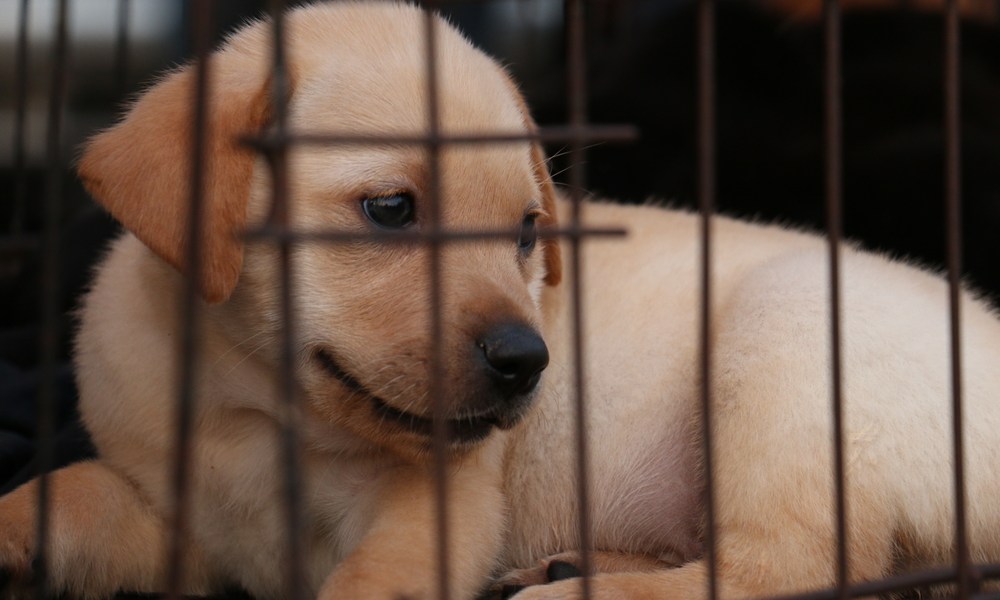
(19, 442)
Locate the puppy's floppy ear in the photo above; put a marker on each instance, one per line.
(553, 255)
(139, 170)
(551, 247)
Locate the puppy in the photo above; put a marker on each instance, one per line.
(363, 349)
(363, 343)
(772, 418)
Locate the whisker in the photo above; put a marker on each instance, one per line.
(237, 345)
(248, 355)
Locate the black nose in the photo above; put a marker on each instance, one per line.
(516, 356)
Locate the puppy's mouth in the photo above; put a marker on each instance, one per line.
(466, 429)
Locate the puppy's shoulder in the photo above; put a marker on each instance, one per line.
(130, 275)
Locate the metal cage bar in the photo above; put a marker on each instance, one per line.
(706, 132)
(438, 387)
(583, 133)
(953, 224)
(50, 287)
(576, 87)
(834, 227)
(122, 46)
(20, 118)
(201, 25)
(280, 218)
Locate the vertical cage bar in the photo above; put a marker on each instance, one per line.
(187, 360)
(122, 46)
(953, 220)
(706, 206)
(440, 426)
(50, 290)
(834, 226)
(280, 217)
(577, 84)
(20, 118)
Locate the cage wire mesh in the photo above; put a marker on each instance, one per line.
(37, 215)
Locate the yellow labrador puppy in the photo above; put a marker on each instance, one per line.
(363, 351)
(363, 344)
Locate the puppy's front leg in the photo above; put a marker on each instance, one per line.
(397, 558)
(102, 537)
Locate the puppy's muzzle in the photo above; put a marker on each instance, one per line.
(507, 361)
(515, 358)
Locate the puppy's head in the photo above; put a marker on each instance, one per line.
(367, 336)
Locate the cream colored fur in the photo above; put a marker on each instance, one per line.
(368, 497)
(771, 395)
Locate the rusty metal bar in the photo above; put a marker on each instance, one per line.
(577, 88)
(437, 387)
(20, 118)
(122, 47)
(280, 217)
(834, 228)
(706, 206)
(583, 133)
(988, 571)
(49, 342)
(419, 237)
(953, 220)
(201, 25)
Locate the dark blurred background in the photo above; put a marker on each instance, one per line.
(641, 70)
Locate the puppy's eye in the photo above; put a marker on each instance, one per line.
(392, 212)
(528, 236)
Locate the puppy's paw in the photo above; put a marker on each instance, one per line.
(553, 568)
(569, 589)
(17, 551)
(618, 586)
(101, 537)
(547, 579)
